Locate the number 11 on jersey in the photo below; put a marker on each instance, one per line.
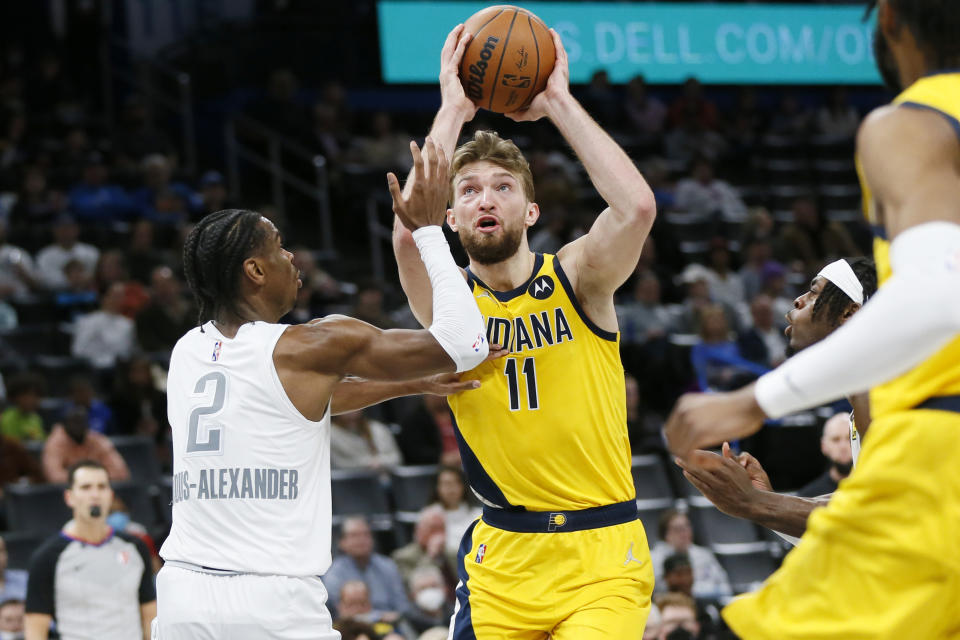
(529, 372)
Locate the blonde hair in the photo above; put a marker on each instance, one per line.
(487, 146)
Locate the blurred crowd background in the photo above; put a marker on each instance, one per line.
(107, 158)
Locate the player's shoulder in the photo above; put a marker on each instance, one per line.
(321, 344)
(895, 124)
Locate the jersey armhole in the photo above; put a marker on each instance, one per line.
(568, 288)
(926, 107)
(270, 347)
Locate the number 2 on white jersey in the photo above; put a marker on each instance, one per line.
(213, 445)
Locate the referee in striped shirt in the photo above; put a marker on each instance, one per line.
(96, 583)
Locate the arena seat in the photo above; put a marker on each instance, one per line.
(137, 497)
(38, 508)
(140, 454)
(714, 527)
(649, 512)
(360, 492)
(747, 567)
(412, 486)
(20, 546)
(650, 477)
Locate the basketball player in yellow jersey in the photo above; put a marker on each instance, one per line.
(559, 551)
(882, 560)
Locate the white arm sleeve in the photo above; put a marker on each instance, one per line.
(457, 323)
(914, 314)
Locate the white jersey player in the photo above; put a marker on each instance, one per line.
(737, 484)
(250, 401)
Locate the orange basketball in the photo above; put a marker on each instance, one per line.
(508, 60)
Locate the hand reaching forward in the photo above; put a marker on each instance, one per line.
(451, 88)
(706, 419)
(424, 201)
(558, 86)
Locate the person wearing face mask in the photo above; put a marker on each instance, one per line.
(431, 606)
(94, 581)
(71, 441)
(355, 605)
(835, 445)
(119, 519)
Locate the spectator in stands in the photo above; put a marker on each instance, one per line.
(73, 156)
(643, 317)
(66, 246)
(355, 605)
(676, 536)
(119, 519)
(112, 269)
(657, 173)
(213, 194)
(13, 582)
(88, 558)
(80, 294)
(324, 288)
(359, 561)
(652, 629)
(368, 305)
(758, 253)
(725, 284)
(717, 361)
(104, 336)
(697, 279)
(36, 209)
(555, 231)
(11, 619)
(20, 421)
(775, 287)
(835, 446)
(141, 257)
(703, 194)
(601, 100)
(431, 605)
(157, 174)
(763, 342)
(385, 148)
(758, 226)
(72, 441)
(359, 442)
(17, 271)
(677, 611)
(95, 200)
(139, 407)
(459, 511)
(168, 316)
(645, 113)
(326, 137)
(17, 465)
(691, 107)
(791, 118)
(427, 435)
(691, 140)
(811, 239)
(838, 118)
(136, 137)
(428, 547)
(169, 209)
(83, 395)
(351, 629)
(279, 109)
(678, 576)
(49, 92)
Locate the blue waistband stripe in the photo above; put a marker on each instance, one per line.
(561, 521)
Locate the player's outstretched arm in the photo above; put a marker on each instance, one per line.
(606, 256)
(456, 109)
(354, 393)
(738, 486)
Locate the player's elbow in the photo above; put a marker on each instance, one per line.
(644, 208)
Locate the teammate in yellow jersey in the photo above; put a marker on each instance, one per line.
(890, 535)
(559, 551)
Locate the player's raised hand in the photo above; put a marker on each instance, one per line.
(701, 420)
(758, 476)
(721, 479)
(558, 87)
(451, 89)
(423, 201)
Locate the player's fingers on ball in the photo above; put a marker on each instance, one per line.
(452, 40)
(558, 45)
(462, 43)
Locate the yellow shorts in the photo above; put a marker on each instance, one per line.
(882, 560)
(543, 578)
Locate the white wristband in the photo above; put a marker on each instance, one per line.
(457, 322)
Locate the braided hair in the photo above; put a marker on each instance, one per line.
(212, 255)
(834, 302)
(934, 25)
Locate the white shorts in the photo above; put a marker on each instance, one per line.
(192, 605)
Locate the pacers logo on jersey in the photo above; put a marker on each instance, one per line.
(557, 520)
(481, 552)
(541, 288)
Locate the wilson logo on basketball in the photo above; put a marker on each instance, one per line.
(478, 70)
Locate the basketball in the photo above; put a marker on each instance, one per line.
(508, 60)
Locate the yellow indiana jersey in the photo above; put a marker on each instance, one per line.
(940, 374)
(546, 430)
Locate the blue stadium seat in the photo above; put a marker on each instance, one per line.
(412, 487)
(360, 492)
(140, 454)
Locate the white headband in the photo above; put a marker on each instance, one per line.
(841, 274)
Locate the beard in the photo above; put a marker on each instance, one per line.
(843, 468)
(487, 249)
(886, 62)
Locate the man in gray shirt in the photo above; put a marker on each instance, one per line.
(96, 583)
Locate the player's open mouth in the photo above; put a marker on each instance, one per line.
(487, 224)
